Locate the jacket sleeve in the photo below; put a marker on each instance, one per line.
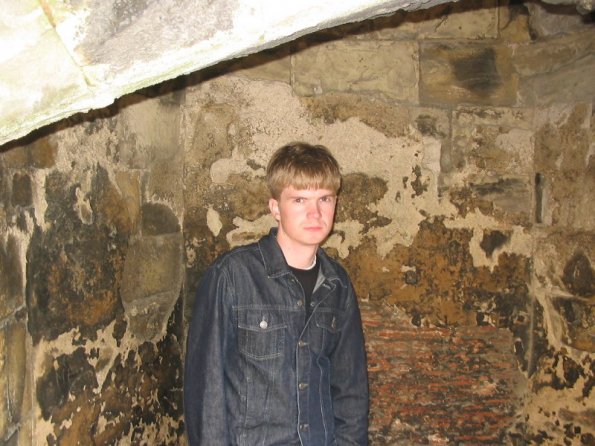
(349, 380)
(206, 351)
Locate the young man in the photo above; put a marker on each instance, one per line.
(275, 352)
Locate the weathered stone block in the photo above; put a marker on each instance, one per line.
(11, 276)
(164, 182)
(148, 131)
(509, 199)
(492, 141)
(22, 194)
(513, 21)
(578, 328)
(269, 65)
(552, 19)
(40, 153)
(158, 219)
(116, 206)
(566, 168)
(152, 267)
(455, 73)
(455, 20)
(558, 70)
(369, 67)
(129, 202)
(382, 116)
(492, 157)
(151, 282)
(147, 316)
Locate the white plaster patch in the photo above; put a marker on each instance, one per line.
(519, 144)
(83, 207)
(214, 221)
(67, 423)
(431, 154)
(223, 168)
(151, 123)
(590, 154)
(249, 231)
(40, 204)
(520, 241)
(349, 238)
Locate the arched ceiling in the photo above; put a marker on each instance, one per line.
(60, 57)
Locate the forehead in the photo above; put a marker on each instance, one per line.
(291, 191)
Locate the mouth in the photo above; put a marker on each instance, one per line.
(313, 228)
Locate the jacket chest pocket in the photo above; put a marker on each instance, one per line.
(328, 327)
(261, 333)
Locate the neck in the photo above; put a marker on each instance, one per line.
(297, 256)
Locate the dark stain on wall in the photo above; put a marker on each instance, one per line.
(74, 272)
(478, 72)
(69, 375)
(492, 240)
(358, 191)
(138, 392)
(419, 187)
(21, 190)
(11, 276)
(158, 219)
(579, 276)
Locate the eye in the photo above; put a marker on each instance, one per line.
(298, 200)
(327, 199)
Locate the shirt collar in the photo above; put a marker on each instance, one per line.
(276, 266)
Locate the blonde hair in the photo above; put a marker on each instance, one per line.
(303, 166)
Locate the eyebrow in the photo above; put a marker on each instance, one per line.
(298, 195)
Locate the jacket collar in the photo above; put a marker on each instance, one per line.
(272, 256)
(275, 264)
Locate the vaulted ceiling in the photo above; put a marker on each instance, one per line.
(61, 57)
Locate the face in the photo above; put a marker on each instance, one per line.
(305, 216)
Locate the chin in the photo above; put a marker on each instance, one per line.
(317, 240)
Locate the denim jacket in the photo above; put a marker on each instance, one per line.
(257, 373)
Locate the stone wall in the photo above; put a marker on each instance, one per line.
(466, 138)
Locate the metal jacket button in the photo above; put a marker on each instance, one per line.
(264, 324)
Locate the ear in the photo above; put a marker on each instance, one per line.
(274, 208)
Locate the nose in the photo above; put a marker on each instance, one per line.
(314, 209)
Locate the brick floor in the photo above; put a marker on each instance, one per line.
(436, 386)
